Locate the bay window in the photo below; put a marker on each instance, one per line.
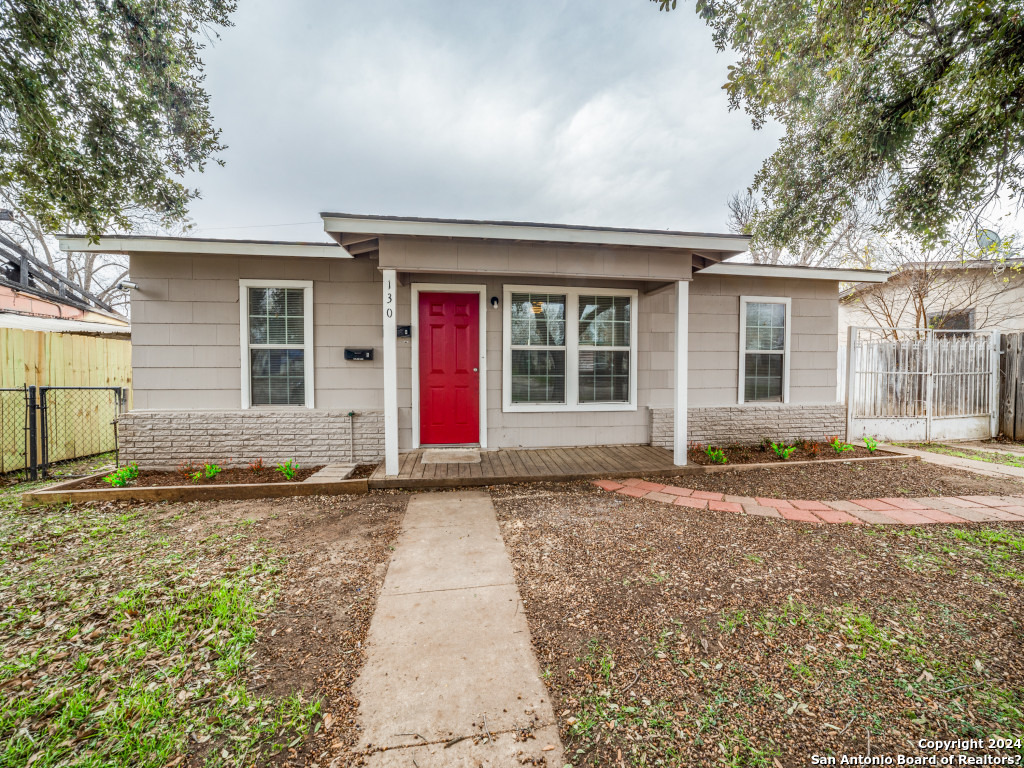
(569, 349)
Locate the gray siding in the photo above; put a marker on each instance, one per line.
(186, 355)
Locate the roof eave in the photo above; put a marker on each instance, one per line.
(838, 275)
(200, 246)
(549, 233)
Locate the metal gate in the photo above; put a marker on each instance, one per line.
(921, 384)
(42, 426)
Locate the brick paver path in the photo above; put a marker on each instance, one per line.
(885, 511)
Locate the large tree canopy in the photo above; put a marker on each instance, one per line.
(915, 107)
(102, 108)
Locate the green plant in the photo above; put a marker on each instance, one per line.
(871, 443)
(717, 455)
(287, 468)
(123, 476)
(838, 445)
(210, 471)
(783, 451)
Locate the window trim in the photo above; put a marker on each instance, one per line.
(572, 348)
(307, 334)
(786, 347)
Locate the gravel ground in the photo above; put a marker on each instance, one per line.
(840, 480)
(677, 637)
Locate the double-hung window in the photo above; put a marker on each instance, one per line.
(277, 342)
(569, 349)
(764, 349)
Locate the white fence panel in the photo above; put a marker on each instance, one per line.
(921, 384)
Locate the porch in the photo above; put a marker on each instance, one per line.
(529, 466)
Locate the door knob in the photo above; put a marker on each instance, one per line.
(475, 370)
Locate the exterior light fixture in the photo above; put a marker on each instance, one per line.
(494, 302)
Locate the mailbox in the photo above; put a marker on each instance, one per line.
(358, 354)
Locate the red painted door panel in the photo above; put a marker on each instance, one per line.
(449, 343)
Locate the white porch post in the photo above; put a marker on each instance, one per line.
(390, 305)
(682, 371)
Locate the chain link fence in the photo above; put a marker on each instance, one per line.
(42, 426)
(13, 429)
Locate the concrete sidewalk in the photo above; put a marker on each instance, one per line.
(448, 653)
(956, 462)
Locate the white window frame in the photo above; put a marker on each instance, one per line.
(786, 348)
(572, 348)
(307, 335)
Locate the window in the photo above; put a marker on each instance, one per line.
(277, 349)
(569, 349)
(764, 349)
(538, 347)
(960, 320)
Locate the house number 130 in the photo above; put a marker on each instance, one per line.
(389, 299)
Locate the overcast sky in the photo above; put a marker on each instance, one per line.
(604, 112)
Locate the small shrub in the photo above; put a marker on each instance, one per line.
(121, 477)
(783, 451)
(287, 468)
(188, 468)
(210, 471)
(717, 455)
(814, 449)
(195, 477)
(871, 443)
(838, 445)
(258, 466)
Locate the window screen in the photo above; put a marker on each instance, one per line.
(604, 348)
(765, 348)
(538, 348)
(277, 354)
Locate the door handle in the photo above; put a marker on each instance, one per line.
(475, 370)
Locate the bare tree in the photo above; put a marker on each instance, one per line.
(947, 288)
(97, 273)
(845, 245)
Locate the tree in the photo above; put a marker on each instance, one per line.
(96, 273)
(914, 108)
(943, 288)
(845, 244)
(102, 109)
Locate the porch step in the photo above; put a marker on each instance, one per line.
(331, 473)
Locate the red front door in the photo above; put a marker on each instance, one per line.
(449, 357)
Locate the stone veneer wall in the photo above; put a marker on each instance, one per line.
(751, 423)
(167, 438)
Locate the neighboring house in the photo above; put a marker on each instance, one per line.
(976, 295)
(417, 332)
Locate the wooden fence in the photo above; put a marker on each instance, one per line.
(47, 359)
(1011, 386)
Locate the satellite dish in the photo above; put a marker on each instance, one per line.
(988, 238)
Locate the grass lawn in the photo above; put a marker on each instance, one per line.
(992, 457)
(686, 638)
(185, 634)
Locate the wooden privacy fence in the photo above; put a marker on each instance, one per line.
(921, 384)
(59, 393)
(1011, 386)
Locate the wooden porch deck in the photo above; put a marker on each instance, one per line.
(529, 466)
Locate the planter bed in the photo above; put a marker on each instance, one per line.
(155, 478)
(763, 454)
(92, 488)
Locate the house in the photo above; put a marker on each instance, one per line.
(971, 295)
(406, 332)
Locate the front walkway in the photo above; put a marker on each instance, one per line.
(450, 677)
(884, 511)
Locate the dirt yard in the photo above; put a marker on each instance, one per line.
(187, 634)
(686, 638)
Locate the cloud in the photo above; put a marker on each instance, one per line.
(607, 113)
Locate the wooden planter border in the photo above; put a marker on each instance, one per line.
(68, 492)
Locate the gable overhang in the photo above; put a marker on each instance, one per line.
(200, 246)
